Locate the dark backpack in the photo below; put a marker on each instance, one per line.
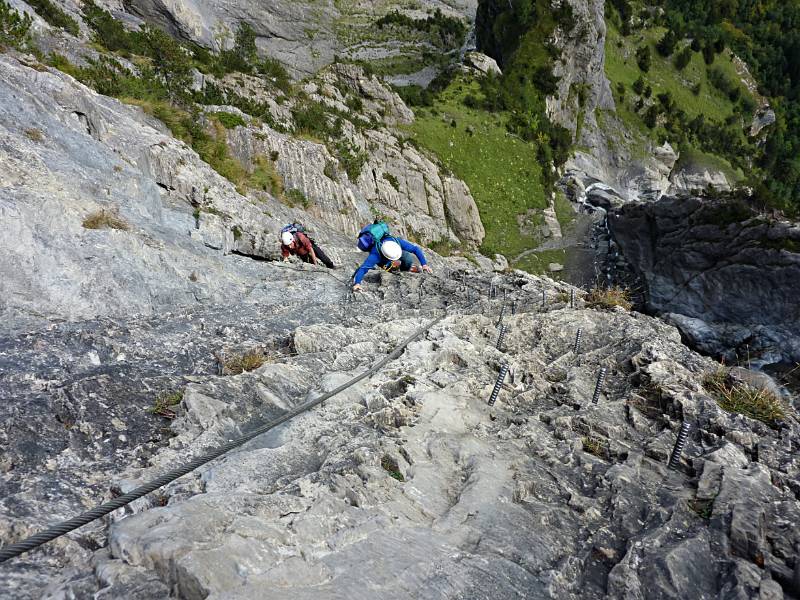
(293, 228)
(372, 235)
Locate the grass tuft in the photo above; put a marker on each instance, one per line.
(35, 135)
(240, 363)
(609, 298)
(265, 176)
(737, 397)
(703, 508)
(596, 447)
(295, 197)
(105, 219)
(164, 403)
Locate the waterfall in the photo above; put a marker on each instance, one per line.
(470, 42)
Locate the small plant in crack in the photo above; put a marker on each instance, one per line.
(703, 508)
(390, 466)
(235, 364)
(598, 448)
(165, 402)
(739, 397)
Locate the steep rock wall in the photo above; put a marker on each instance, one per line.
(304, 35)
(70, 152)
(728, 281)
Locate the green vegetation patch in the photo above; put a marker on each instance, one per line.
(500, 169)
(54, 15)
(294, 197)
(14, 27)
(164, 404)
(564, 212)
(738, 397)
(764, 34)
(539, 261)
(390, 466)
(693, 99)
(663, 76)
(265, 177)
(443, 30)
(229, 120)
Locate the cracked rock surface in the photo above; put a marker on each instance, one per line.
(728, 282)
(408, 485)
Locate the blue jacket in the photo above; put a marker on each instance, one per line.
(375, 258)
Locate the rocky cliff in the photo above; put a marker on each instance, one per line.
(407, 484)
(726, 277)
(72, 154)
(146, 320)
(305, 36)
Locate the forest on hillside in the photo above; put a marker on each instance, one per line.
(766, 35)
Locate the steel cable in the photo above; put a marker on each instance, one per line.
(51, 533)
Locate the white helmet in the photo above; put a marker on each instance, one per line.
(287, 238)
(391, 250)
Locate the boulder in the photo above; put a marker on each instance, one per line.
(482, 64)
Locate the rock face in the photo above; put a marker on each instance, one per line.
(303, 35)
(409, 485)
(396, 180)
(606, 151)
(71, 153)
(728, 281)
(693, 179)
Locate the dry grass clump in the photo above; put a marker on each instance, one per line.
(598, 448)
(105, 219)
(737, 397)
(236, 364)
(609, 298)
(35, 135)
(164, 403)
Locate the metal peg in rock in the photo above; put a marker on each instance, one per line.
(601, 376)
(577, 348)
(500, 336)
(680, 444)
(544, 298)
(572, 300)
(513, 307)
(498, 384)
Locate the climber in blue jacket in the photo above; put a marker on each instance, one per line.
(389, 254)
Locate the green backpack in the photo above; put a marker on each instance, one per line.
(372, 234)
